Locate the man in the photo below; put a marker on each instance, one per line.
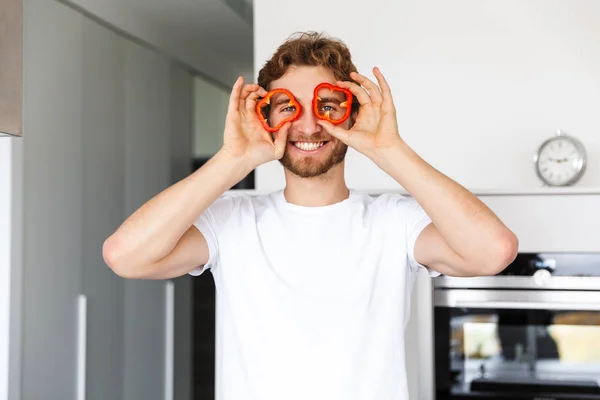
(313, 281)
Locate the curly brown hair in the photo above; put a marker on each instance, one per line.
(309, 49)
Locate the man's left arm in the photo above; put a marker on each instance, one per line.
(465, 237)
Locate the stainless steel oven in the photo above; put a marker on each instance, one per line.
(529, 333)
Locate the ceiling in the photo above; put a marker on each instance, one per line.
(214, 37)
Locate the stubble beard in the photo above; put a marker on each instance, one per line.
(310, 167)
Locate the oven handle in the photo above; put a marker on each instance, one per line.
(518, 299)
(520, 305)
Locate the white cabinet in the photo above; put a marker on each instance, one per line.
(147, 172)
(103, 206)
(108, 126)
(73, 199)
(53, 199)
(564, 221)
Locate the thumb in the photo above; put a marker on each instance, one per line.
(334, 130)
(281, 139)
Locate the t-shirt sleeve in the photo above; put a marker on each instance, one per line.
(210, 223)
(416, 219)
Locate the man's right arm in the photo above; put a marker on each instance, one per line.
(159, 240)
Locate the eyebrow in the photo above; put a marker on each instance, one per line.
(281, 101)
(285, 100)
(331, 100)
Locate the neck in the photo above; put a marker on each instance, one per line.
(323, 190)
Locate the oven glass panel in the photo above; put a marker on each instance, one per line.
(558, 264)
(518, 352)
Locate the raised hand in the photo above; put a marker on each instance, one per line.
(244, 135)
(376, 127)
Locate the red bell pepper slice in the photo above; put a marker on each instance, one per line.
(346, 105)
(266, 101)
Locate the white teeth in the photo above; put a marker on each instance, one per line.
(308, 146)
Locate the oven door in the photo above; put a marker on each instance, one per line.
(517, 344)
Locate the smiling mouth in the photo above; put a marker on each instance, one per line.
(309, 146)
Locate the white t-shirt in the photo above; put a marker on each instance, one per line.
(312, 302)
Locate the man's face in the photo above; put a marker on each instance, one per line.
(310, 150)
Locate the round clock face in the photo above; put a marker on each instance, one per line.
(560, 161)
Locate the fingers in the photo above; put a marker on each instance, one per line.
(386, 91)
(250, 93)
(361, 94)
(335, 130)
(234, 97)
(281, 139)
(253, 97)
(372, 88)
(246, 90)
(369, 91)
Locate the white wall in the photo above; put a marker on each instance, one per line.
(15, 260)
(478, 84)
(5, 245)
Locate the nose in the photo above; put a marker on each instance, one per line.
(307, 122)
